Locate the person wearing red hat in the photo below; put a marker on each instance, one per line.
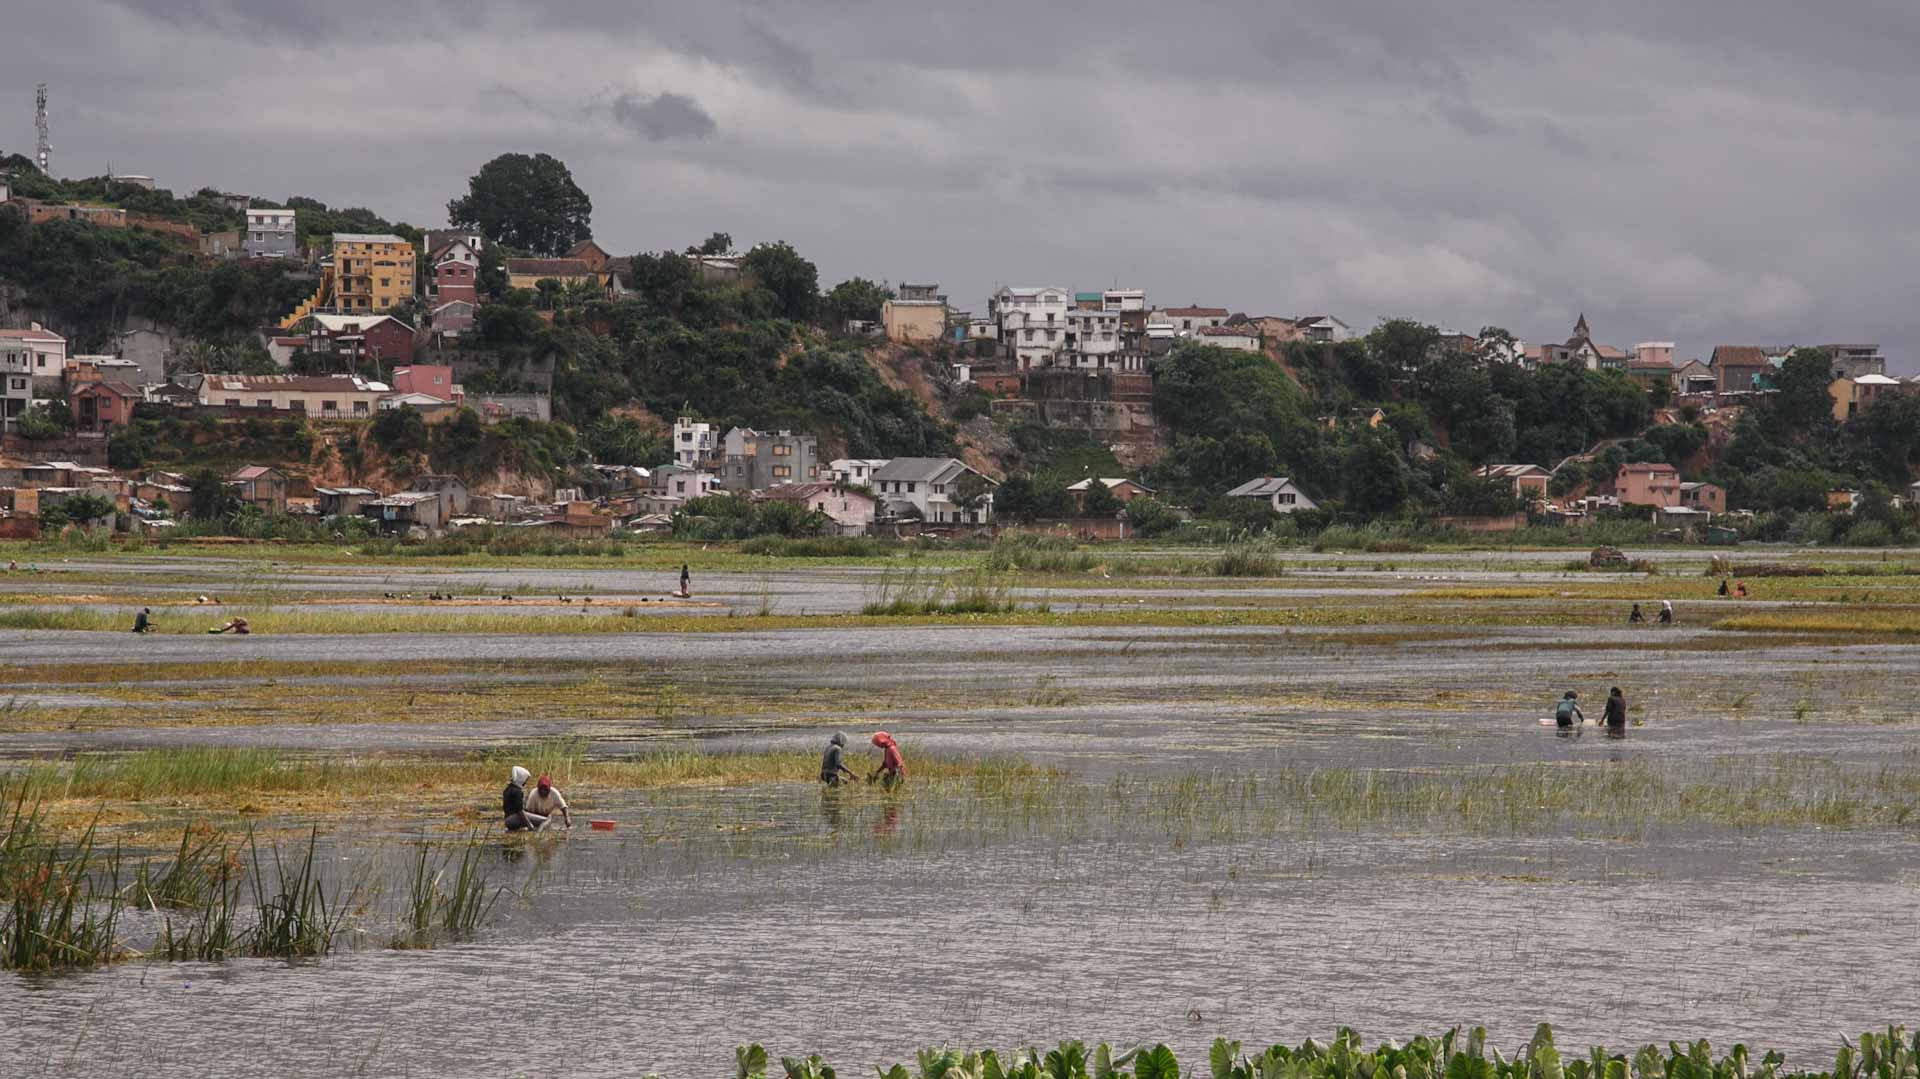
(546, 800)
(893, 770)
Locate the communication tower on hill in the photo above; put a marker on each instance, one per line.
(43, 151)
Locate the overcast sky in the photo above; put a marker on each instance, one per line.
(1715, 171)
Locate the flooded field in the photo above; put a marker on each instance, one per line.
(1269, 807)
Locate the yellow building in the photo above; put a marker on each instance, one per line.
(371, 272)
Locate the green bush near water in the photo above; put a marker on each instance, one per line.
(1454, 1055)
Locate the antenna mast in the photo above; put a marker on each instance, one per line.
(43, 153)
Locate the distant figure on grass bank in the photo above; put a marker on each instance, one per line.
(1740, 590)
(545, 801)
(686, 582)
(1666, 612)
(234, 625)
(143, 621)
(833, 764)
(893, 770)
(1567, 715)
(513, 803)
(1616, 714)
(1723, 588)
(1634, 615)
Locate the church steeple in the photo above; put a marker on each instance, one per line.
(1580, 327)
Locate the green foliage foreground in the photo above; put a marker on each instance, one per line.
(1455, 1055)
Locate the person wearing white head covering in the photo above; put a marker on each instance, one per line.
(513, 803)
(1666, 612)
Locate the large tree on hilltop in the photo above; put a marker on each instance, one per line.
(794, 281)
(530, 203)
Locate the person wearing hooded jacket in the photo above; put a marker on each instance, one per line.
(513, 803)
(893, 769)
(833, 765)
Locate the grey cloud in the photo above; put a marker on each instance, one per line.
(667, 116)
(1708, 171)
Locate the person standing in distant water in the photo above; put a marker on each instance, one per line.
(833, 765)
(893, 770)
(1567, 715)
(1615, 716)
(686, 582)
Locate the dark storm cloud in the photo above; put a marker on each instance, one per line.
(665, 116)
(1721, 170)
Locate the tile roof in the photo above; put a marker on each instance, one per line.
(367, 238)
(1738, 356)
(296, 383)
(1197, 312)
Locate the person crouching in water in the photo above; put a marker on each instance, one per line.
(513, 803)
(1635, 615)
(545, 801)
(833, 764)
(1666, 612)
(1616, 714)
(1567, 715)
(893, 770)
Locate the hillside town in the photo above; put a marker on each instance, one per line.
(387, 327)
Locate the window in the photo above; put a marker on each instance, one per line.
(783, 451)
(231, 402)
(263, 402)
(359, 408)
(910, 487)
(1286, 499)
(329, 406)
(782, 471)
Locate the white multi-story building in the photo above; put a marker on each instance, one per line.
(854, 471)
(16, 383)
(1123, 299)
(693, 443)
(48, 352)
(931, 488)
(1093, 339)
(1032, 324)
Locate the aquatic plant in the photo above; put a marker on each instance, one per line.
(63, 900)
(455, 909)
(296, 917)
(1454, 1055)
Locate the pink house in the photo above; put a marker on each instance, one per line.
(1647, 484)
(433, 380)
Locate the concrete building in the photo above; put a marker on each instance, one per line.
(1739, 368)
(1092, 340)
(1281, 494)
(1852, 396)
(100, 404)
(850, 509)
(1122, 489)
(1853, 361)
(1647, 484)
(1529, 481)
(432, 380)
(371, 272)
(1707, 497)
(857, 471)
(1694, 377)
(1238, 338)
(528, 273)
(16, 382)
(1322, 329)
(753, 460)
(48, 351)
(328, 397)
(932, 489)
(261, 487)
(1185, 320)
(360, 338)
(1032, 324)
(1123, 299)
(917, 313)
(693, 443)
(456, 268)
(270, 234)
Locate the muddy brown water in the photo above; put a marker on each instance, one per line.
(711, 918)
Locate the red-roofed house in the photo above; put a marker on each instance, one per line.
(1647, 484)
(1739, 368)
(101, 404)
(432, 379)
(258, 485)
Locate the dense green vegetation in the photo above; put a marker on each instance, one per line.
(1455, 1055)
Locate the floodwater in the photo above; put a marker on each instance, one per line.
(864, 929)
